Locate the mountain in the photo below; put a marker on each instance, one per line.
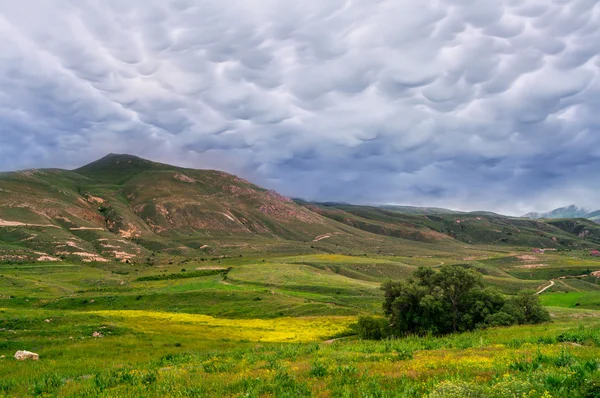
(594, 216)
(417, 210)
(472, 227)
(125, 208)
(571, 211)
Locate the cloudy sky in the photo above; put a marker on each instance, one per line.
(489, 104)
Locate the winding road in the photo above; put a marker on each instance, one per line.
(546, 288)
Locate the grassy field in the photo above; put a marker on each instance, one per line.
(281, 325)
(146, 353)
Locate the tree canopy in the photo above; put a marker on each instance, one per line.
(452, 300)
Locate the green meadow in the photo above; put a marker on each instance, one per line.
(282, 326)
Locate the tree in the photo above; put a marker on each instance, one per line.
(456, 283)
(452, 300)
(526, 308)
(370, 328)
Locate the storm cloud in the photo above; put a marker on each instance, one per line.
(467, 104)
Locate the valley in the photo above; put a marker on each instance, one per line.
(133, 278)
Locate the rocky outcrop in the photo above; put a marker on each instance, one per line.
(25, 355)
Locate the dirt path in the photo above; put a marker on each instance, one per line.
(546, 288)
(330, 341)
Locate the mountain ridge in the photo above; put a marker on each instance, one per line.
(125, 208)
(571, 211)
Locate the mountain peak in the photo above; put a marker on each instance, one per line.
(571, 211)
(119, 168)
(120, 157)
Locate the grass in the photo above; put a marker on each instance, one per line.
(263, 329)
(284, 329)
(156, 354)
(584, 299)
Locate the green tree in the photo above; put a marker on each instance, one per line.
(526, 308)
(370, 328)
(456, 284)
(452, 300)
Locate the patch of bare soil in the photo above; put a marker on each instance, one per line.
(130, 232)
(5, 223)
(85, 257)
(95, 200)
(211, 268)
(533, 265)
(230, 216)
(184, 178)
(47, 258)
(326, 236)
(13, 257)
(527, 258)
(108, 246)
(123, 255)
(72, 244)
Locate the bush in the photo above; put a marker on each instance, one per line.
(371, 328)
(500, 319)
(526, 308)
(187, 275)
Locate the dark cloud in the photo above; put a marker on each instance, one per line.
(469, 104)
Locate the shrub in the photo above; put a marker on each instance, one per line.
(500, 318)
(526, 308)
(371, 328)
(318, 369)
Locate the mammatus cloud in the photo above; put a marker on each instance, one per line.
(488, 104)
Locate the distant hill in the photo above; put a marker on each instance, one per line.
(125, 208)
(473, 227)
(571, 211)
(417, 210)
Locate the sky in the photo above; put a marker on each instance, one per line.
(464, 104)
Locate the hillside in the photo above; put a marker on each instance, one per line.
(124, 208)
(473, 228)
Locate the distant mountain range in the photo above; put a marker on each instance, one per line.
(571, 211)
